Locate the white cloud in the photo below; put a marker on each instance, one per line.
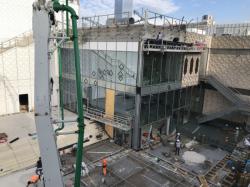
(97, 7)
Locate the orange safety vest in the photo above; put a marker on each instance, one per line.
(34, 179)
(104, 167)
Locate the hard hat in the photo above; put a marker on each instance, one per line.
(178, 133)
(178, 140)
(104, 161)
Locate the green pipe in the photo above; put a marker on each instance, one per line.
(60, 89)
(57, 7)
(67, 19)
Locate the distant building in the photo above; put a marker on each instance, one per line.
(123, 9)
(208, 20)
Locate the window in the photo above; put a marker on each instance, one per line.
(191, 66)
(185, 66)
(197, 65)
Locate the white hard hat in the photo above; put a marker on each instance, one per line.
(178, 140)
(178, 133)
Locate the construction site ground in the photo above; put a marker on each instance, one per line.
(24, 152)
(157, 165)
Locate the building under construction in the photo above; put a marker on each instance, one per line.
(144, 78)
(132, 81)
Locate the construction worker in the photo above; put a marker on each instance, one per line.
(159, 38)
(178, 136)
(104, 167)
(177, 147)
(39, 169)
(33, 180)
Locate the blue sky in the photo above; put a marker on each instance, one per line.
(224, 11)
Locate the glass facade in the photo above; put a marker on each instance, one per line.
(117, 70)
(162, 67)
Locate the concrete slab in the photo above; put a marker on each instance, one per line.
(25, 152)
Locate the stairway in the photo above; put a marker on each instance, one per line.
(224, 90)
(216, 115)
(22, 40)
(230, 94)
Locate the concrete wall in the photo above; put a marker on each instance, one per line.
(229, 62)
(214, 102)
(16, 77)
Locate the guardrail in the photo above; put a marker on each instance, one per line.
(173, 47)
(120, 122)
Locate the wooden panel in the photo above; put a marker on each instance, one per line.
(110, 109)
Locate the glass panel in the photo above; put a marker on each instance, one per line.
(153, 107)
(179, 63)
(168, 66)
(172, 68)
(183, 97)
(148, 60)
(176, 99)
(162, 105)
(164, 68)
(101, 97)
(169, 104)
(156, 68)
(145, 110)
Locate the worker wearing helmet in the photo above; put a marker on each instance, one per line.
(178, 136)
(33, 180)
(104, 167)
(177, 147)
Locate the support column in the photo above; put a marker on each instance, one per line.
(136, 126)
(168, 125)
(110, 110)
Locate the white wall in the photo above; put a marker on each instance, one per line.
(17, 63)
(16, 77)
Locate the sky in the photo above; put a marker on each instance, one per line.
(223, 11)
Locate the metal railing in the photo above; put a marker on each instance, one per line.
(229, 89)
(105, 20)
(21, 40)
(126, 18)
(239, 29)
(148, 46)
(216, 115)
(117, 121)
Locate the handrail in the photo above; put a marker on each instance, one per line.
(233, 90)
(12, 42)
(172, 47)
(121, 122)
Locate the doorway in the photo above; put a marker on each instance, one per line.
(24, 102)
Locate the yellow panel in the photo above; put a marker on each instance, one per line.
(110, 109)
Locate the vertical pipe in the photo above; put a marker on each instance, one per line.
(79, 104)
(67, 19)
(60, 88)
(57, 7)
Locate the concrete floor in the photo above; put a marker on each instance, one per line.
(17, 179)
(125, 168)
(212, 156)
(25, 152)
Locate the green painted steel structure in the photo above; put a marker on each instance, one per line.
(58, 7)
